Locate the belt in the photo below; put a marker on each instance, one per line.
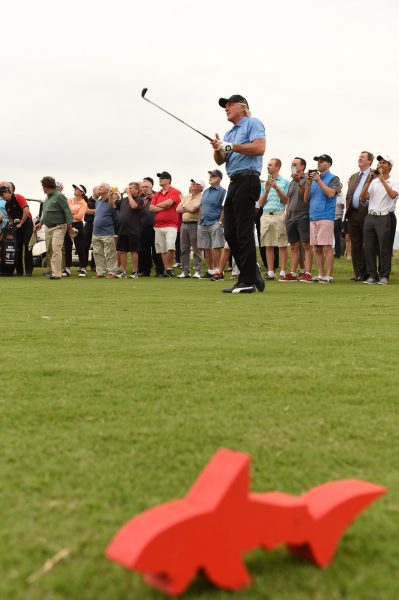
(190, 222)
(55, 225)
(277, 212)
(379, 213)
(244, 173)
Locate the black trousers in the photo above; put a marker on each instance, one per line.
(377, 242)
(239, 222)
(148, 255)
(23, 235)
(337, 238)
(79, 245)
(87, 236)
(356, 229)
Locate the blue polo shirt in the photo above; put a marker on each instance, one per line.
(245, 131)
(104, 219)
(211, 205)
(273, 202)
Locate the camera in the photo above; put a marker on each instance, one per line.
(377, 172)
(312, 171)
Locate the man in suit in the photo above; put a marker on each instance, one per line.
(356, 213)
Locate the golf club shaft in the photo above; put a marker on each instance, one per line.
(174, 116)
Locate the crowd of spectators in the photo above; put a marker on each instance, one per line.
(164, 230)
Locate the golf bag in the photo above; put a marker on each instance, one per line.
(8, 250)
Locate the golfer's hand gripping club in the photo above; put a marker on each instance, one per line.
(225, 146)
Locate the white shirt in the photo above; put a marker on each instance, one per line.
(379, 201)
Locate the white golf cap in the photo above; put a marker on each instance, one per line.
(385, 157)
(199, 182)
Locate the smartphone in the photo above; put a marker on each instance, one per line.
(312, 171)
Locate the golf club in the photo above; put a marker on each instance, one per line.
(143, 93)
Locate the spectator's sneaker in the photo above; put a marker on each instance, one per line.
(47, 274)
(329, 279)
(207, 275)
(66, 273)
(322, 279)
(217, 277)
(82, 273)
(54, 277)
(269, 277)
(370, 281)
(120, 275)
(306, 278)
(184, 276)
(177, 265)
(259, 281)
(98, 276)
(383, 281)
(170, 273)
(288, 277)
(240, 288)
(134, 275)
(111, 276)
(197, 275)
(300, 276)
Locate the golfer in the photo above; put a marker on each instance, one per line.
(242, 150)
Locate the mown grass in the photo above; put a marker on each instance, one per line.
(117, 393)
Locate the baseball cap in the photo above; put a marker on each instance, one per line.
(385, 157)
(164, 175)
(324, 157)
(216, 173)
(233, 98)
(198, 181)
(3, 189)
(80, 187)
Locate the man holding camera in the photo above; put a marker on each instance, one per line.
(273, 233)
(381, 192)
(297, 222)
(356, 213)
(242, 150)
(322, 186)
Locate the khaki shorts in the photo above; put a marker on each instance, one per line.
(165, 239)
(321, 233)
(273, 231)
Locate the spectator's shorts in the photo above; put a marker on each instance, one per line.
(210, 236)
(273, 231)
(128, 243)
(165, 239)
(298, 230)
(322, 233)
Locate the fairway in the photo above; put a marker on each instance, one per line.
(116, 393)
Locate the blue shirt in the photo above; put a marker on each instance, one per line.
(273, 202)
(211, 205)
(4, 221)
(104, 219)
(359, 187)
(244, 132)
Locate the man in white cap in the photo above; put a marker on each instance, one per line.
(210, 229)
(189, 208)
(381, 191)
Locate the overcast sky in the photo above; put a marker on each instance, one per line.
(323, 78)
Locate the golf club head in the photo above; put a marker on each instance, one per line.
(143, 92)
